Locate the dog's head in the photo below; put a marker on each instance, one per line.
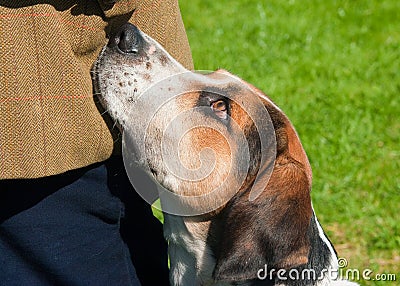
(216, 143)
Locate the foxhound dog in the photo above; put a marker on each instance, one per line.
(235, 178)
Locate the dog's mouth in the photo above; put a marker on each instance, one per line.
(130, 64)
(154, 172)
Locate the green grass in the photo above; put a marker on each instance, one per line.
(334, 68)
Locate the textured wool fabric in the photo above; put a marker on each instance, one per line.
(49, 122)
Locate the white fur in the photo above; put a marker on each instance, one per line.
(191, 259)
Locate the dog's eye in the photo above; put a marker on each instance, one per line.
(220, 108)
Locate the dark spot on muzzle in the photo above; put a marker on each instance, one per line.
(127, 40)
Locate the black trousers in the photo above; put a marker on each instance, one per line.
(84, 227)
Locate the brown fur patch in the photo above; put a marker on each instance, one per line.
(273, 229)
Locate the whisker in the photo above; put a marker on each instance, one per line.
(104, 112)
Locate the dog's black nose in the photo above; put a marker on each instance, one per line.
(127, 39)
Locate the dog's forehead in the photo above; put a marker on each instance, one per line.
(220, 84)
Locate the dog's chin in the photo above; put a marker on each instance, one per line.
(136, 161)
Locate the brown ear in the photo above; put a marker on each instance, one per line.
(273, 229)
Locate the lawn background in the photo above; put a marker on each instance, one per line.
(333, 67)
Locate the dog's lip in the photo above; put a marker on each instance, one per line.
(153, 171)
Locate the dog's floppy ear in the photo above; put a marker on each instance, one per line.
(271, 230)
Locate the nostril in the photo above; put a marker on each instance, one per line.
(127, 39)
(126, 43)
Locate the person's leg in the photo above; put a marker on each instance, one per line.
(63, 230)
(141, 231)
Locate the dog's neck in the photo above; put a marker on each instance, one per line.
(192, 241)
(189, 247)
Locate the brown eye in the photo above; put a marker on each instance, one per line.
(220, 109)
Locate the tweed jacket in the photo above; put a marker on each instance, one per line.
(49, 122)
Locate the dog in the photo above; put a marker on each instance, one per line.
(236, 179)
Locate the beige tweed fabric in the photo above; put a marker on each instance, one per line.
(49, 122)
